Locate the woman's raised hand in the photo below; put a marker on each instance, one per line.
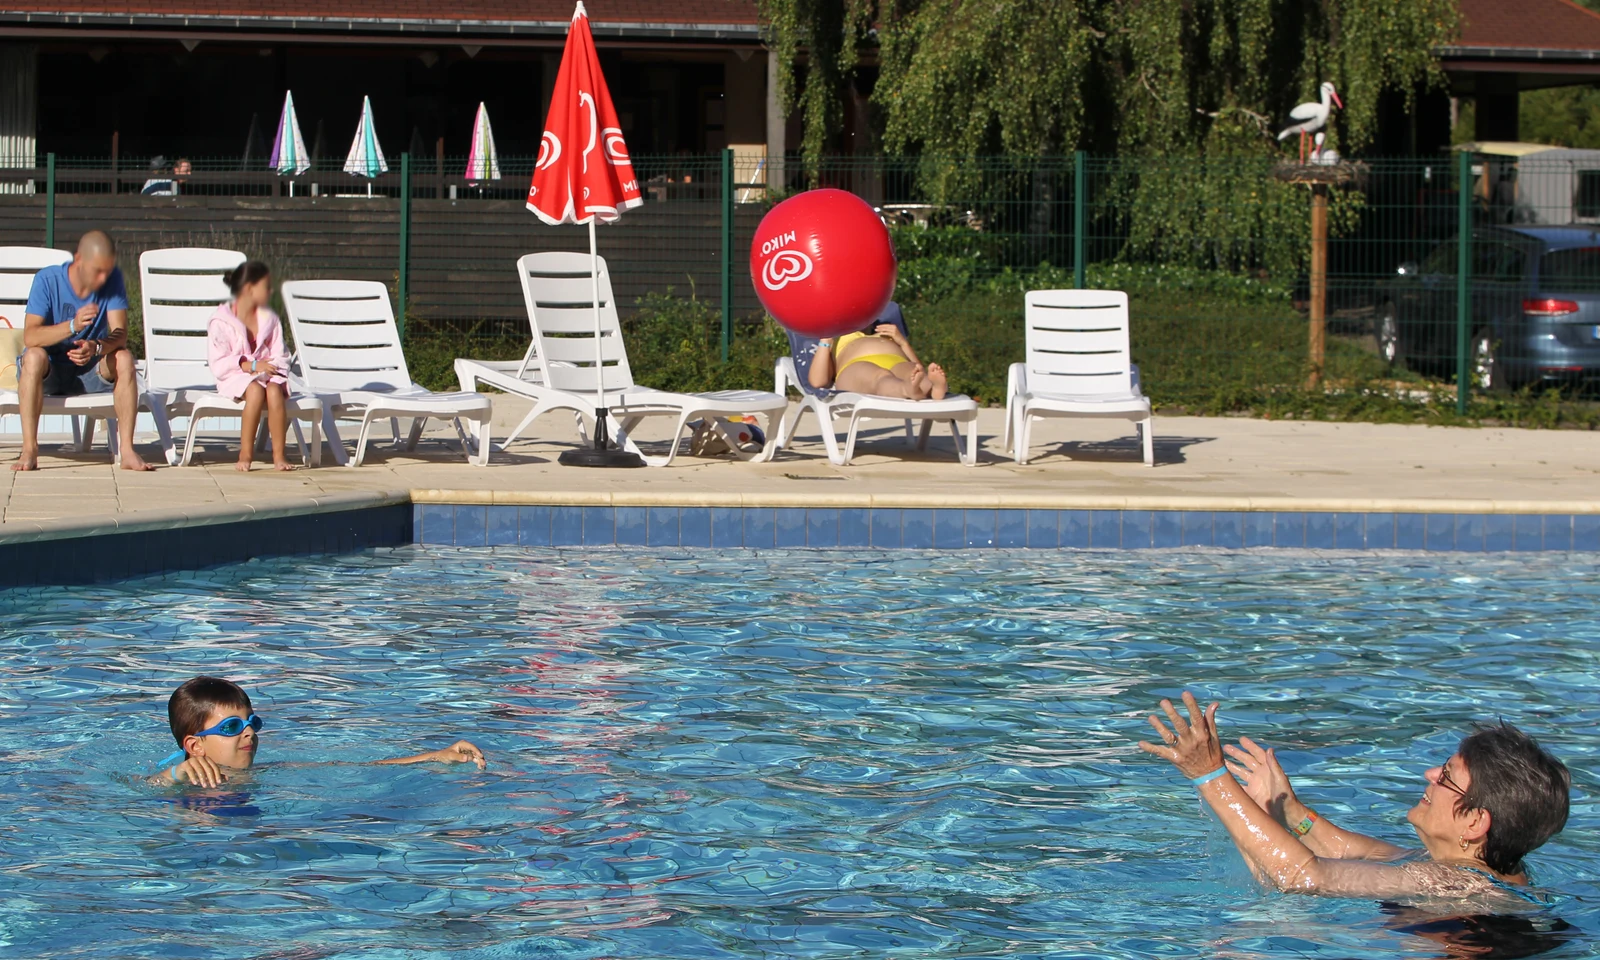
(1258, 771)
(1191, 745)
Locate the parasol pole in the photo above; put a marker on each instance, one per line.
(599, 355)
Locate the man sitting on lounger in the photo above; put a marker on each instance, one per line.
(76, 332)
(878, 360)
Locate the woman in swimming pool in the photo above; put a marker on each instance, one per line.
(1496, 799)
(878, 360)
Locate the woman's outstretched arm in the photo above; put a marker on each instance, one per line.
(1258, 771)
(1276, 855)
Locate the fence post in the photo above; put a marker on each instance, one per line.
(727, 250)
(1318, 312)
(405, 236)
(1079, 202)
(50, 200)
(1463, 281)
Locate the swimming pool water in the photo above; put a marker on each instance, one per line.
(737, 755)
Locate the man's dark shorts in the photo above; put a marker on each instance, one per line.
(67, 379)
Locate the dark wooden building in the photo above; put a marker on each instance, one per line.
(199, 79)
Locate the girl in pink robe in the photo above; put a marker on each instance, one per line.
(247, 357)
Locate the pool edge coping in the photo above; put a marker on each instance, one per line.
(28, 531)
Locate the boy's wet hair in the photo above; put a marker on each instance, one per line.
(194, 702)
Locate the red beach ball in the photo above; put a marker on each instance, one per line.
(822, 263)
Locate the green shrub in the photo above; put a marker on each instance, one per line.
(676, 344)
(964, 243)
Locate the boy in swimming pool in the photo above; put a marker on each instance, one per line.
(216, 730)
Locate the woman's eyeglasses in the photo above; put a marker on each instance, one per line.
(1445, 781)
(232, 727)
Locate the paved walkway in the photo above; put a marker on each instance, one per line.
(1202, 463)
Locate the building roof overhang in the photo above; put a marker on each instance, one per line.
(352, 29)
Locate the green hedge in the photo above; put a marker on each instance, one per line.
(1206, 342)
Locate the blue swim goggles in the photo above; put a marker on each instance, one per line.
(229, 727)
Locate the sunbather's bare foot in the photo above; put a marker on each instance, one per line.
(243, 466)
(283, 465)
(27, 460)
(132, 461)
(916, 383)
(940, 384)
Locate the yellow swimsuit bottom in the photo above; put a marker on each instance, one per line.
(887, 361)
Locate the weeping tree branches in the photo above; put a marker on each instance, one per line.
(1134, 77)
(831, 33)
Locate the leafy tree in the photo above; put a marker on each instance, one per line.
(1150, 77)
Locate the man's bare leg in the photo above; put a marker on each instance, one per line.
(125, 396)
(30, 400)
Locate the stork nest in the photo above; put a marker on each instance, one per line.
(1332, 174)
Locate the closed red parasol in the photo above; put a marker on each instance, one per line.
(584, 175)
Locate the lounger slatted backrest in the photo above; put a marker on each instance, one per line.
(558, 290)
(1078, 342)
(17, 267)
(180, 289)
(345, 335)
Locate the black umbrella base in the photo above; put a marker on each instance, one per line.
(592, 457)
(602, 454)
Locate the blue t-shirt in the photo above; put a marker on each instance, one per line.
(53, 299)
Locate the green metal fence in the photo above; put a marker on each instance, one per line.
(1445, 277)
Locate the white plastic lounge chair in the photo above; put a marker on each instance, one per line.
(180, 288)
(17, 268)
(829, 406)
(1078, 366)
(347, 350)
(557, 372)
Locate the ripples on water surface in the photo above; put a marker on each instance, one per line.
(756, 755)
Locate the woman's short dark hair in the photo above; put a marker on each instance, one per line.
(245, 274)
(1523, 787)
(193, 702)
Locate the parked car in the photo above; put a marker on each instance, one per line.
(1534, 307)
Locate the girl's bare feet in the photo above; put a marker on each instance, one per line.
(243, 466)
(282, 465)
(940, 384)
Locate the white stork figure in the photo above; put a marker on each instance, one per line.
(1326, 157)
(1311, 116)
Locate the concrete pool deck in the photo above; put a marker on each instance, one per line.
(1232, 464)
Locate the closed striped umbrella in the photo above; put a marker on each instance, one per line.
(483, 161)
(366, 156)
(289, 147)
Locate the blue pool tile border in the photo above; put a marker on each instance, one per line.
(101, 556)
(980, 528)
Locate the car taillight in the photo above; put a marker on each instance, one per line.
(1546, 307)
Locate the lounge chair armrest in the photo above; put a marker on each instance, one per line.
(1016, 381)
(785, 376)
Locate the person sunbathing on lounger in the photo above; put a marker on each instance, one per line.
(878, 360)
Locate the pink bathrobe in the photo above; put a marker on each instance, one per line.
(230, 343)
